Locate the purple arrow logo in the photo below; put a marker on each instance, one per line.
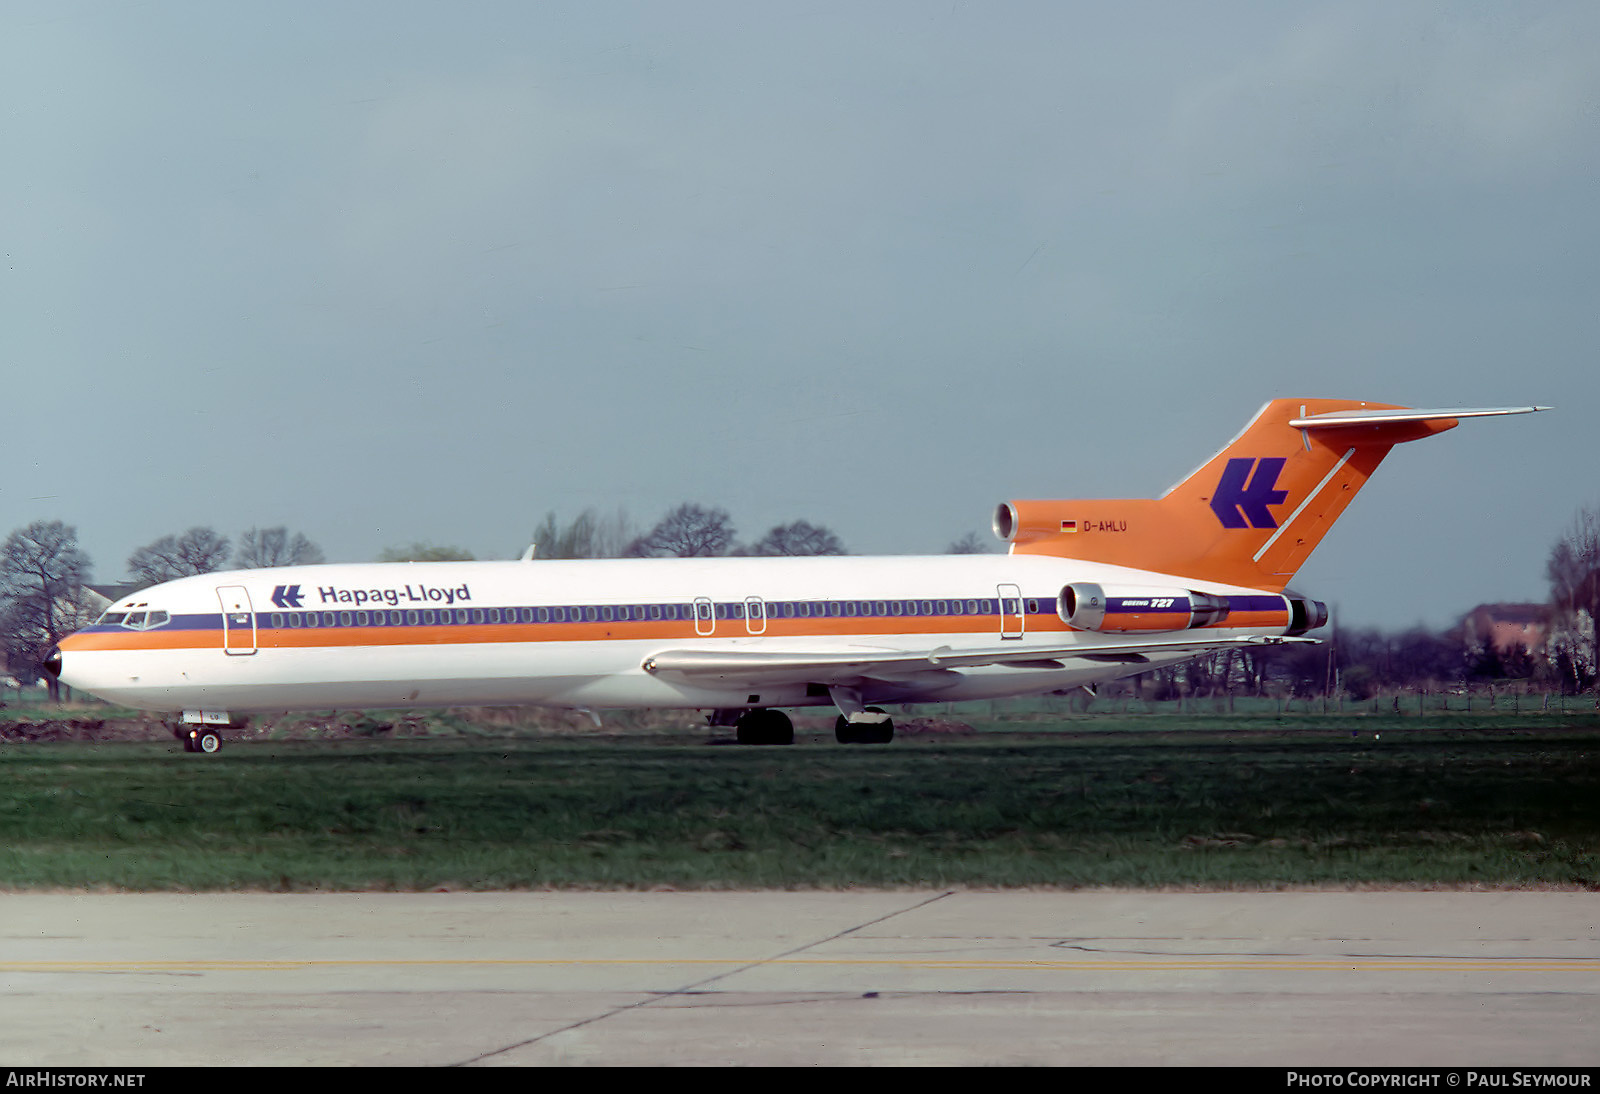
(1242, 504)
(286, 596)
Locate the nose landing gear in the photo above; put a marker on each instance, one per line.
(198, 738)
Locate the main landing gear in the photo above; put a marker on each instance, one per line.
(871, 727)
(760, 726)
(764, 727)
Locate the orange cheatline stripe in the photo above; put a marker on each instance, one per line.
(457, 634)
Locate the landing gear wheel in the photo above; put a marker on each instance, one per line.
(844, 732)
(764, 727)
(207, 741)
(847, 732)
(883, 732)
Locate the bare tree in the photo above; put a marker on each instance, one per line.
(588, 535)
(42, 572)
(197, 551)
(425, 552)
(1574, 573)
(798, 538)
(689, 531)
(260, 548)
(970, 544)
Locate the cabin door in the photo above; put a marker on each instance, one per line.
(1011, 617)
(238, 620)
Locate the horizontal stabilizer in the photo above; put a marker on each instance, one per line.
(1393, 417)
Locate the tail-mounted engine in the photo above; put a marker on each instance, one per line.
(1306, 615)
(1086, 606)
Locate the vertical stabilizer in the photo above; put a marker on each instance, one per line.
(1254, 512)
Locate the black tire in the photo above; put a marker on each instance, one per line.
(782, 729)
(847, 732)
(764, 727)
(207, 741)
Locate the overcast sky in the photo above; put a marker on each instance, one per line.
(386, 272)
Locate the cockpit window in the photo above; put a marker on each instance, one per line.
(111, 619)
(136, 621)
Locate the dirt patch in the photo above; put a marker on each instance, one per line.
(83, 729)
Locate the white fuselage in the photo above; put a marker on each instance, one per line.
(581, 633)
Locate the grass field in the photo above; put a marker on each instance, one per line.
(1112, 800)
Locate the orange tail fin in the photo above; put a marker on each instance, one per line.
(1254, 512)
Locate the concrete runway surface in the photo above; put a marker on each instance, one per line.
(493, 979)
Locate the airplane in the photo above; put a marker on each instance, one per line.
(1088, 592)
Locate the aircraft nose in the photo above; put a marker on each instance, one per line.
(52, 664)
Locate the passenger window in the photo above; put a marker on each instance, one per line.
(327, 619)
(427, 617)
(1033, 607)
(344, 619)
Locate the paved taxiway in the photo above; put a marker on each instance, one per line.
(1308, 978)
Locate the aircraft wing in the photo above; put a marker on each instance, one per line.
(840, 667)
